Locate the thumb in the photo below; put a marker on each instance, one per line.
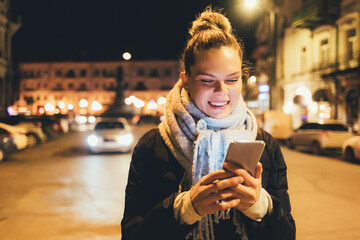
(258, 171)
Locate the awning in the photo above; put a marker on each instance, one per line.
(323, 95)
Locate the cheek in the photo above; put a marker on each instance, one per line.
(198, 94)
(234, 97)
(235, 92)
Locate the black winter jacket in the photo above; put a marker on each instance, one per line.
(153, 184)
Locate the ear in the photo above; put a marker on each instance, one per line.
(184, 79)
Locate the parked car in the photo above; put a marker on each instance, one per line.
(33, 129)
(51, 127)
(110, 135)
(319, 136)
(351, 149)
(19, 134)
(7, 144)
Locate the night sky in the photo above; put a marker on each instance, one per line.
(98, 30)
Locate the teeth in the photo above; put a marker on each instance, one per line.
(218, 104)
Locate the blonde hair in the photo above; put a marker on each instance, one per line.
(210, 30)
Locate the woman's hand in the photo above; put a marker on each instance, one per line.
(248, 191)
(214, 192)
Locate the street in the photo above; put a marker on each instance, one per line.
(58, 191)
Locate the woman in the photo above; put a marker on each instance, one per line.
(179, 186)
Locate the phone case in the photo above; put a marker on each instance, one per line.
(245, 154)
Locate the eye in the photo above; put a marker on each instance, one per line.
(232, 81)
(206, 80)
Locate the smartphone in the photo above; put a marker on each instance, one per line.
(245, 154)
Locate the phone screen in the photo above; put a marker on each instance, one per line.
(245, 154)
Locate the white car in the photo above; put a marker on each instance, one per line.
(110, 135)
(34, 133)
(319, 136)
(19, 134)
(351, 149)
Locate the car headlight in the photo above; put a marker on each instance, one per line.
(126, 139)
(92, 140)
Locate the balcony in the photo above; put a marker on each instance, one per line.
(28, 89)
(316, 13)
(58, 88)
(345, 61)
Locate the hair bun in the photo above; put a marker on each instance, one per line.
(209, 20)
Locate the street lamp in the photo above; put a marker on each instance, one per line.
(126, 56)
(272, 43)
(250, 3)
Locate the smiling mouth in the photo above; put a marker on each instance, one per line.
(218, 104)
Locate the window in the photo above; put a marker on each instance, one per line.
(140, 72)
(82, 86)
(104, 73)
(350, 43)
(71, 86)
(70, 74)
(167, 72)
(83, 73)
(29, 99)
(324, 51)
(140, 86)
(154, 73)
(336, 127)
(96, 72)
(109, 125)
(96, 86)
(309, 126)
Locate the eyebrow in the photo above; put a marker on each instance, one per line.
(211, 75)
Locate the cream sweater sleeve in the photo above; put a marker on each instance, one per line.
(183, 209)
(261, 207)
(185, 213)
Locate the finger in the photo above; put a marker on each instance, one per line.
(258, 171)
(219, 185)
(225, 183)
(241, 190)
(224, 205)
(234, 168)
(222, 195)
(216, 175)
(249, 180)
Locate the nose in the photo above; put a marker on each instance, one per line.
(220, 86)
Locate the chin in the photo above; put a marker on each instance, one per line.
(219, 115)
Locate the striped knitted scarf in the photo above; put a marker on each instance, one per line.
(200, 143)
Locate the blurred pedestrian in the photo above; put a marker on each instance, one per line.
(179, 186)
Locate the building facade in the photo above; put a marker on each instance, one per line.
(7, 30)
(317, 60)
(91, 88)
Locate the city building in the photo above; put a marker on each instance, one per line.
(7, 30)
(317, 59)
(91, 88)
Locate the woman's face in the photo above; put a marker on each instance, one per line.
(215, 81)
